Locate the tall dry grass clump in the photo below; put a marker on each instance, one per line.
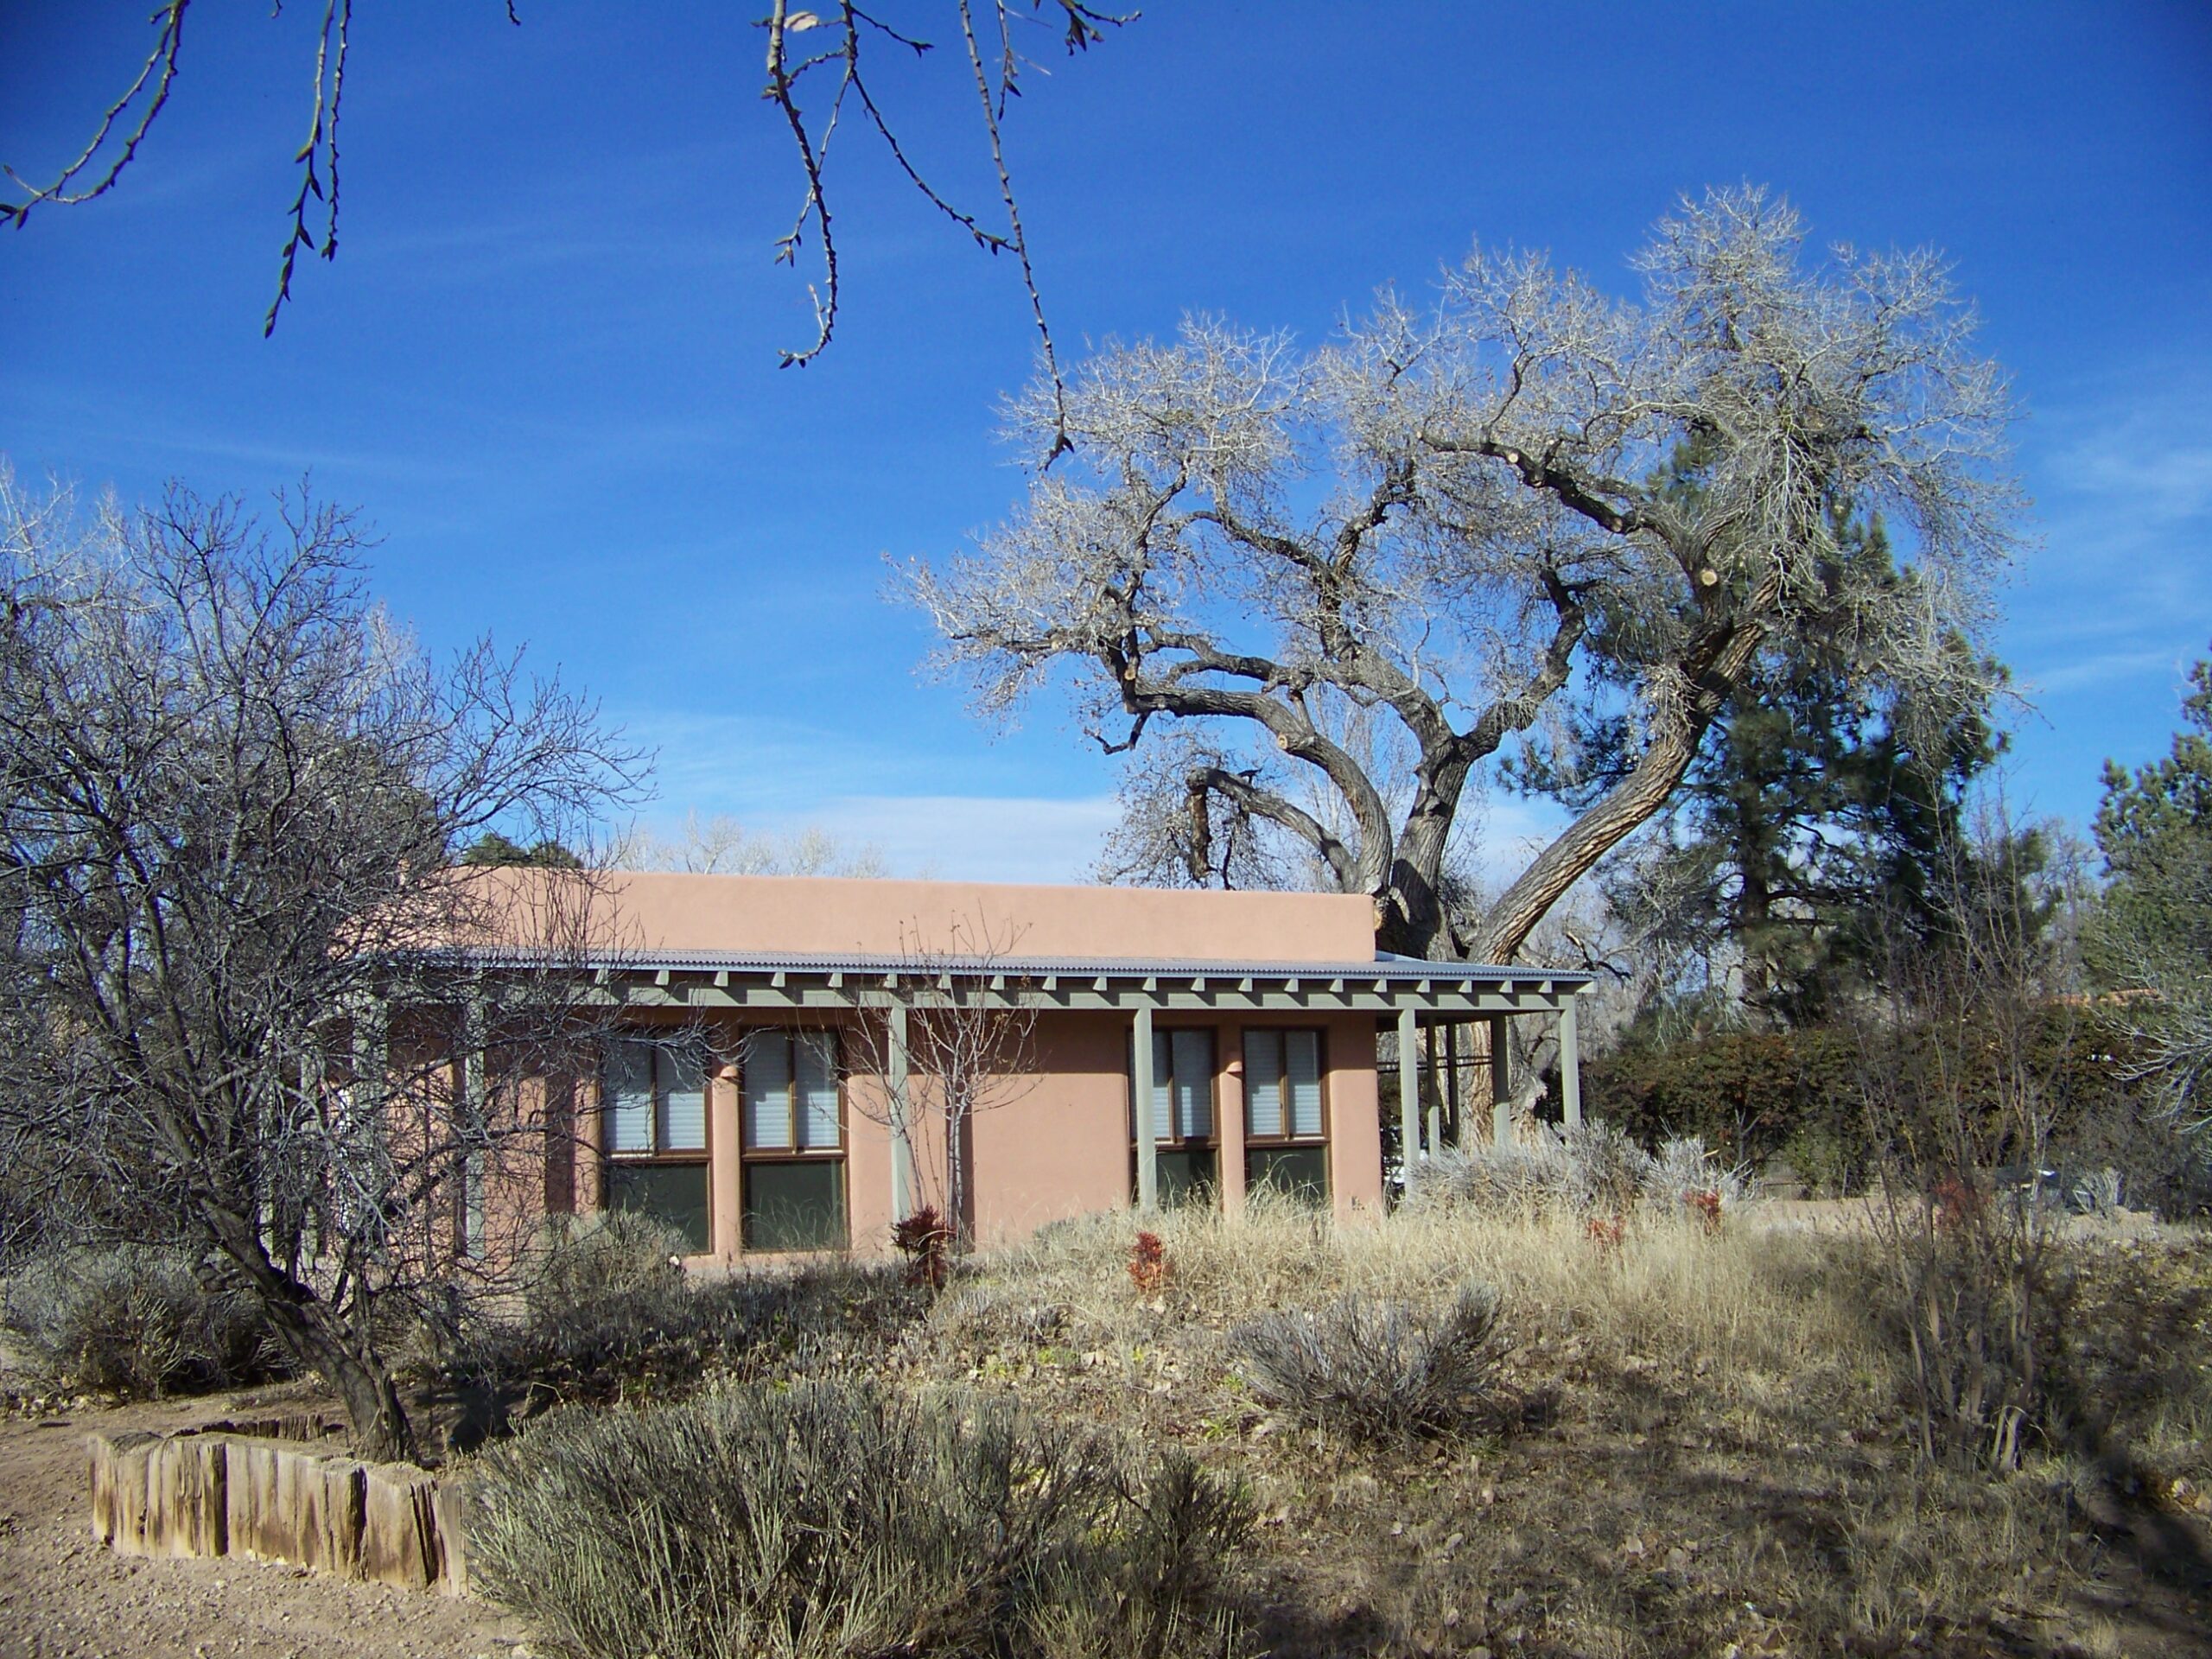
(828, 1518)
(1379, 1371)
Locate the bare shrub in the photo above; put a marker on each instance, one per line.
(607, 1312)
(1960, 1084)
(135, 1319)
(1591, 1169)
(844, 1518)
(1685, 1173)
(613, 1262)
(1376, 1369)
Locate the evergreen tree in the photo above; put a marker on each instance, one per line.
(495, 850)
(2154, 934)
(1808, 835)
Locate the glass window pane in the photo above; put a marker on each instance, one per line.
(1186, 1178)
(818, 1089)
(1302, 1060)
(673, 1194)
(1299, 1172)
(629, 1085)
(1193, 1052)
(682, 1100)
(768, 1089)
(795, 1207)
(1263, 1083)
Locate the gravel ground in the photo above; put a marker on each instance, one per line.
(63, 1597)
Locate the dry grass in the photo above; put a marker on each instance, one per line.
(1713, 1444)
(1695, 1441)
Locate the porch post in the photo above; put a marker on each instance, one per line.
(1147, 1131)
(475, 1122)
(1408, 1091)
(1435, 1096)
(902, 1132)
(1570, 1064)
(1500, 1082)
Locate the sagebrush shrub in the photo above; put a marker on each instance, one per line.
(606, 1308)
(136, 1318)
(1376, 1369)
(1592, 1169)
(843, 1518)
(611, 1262)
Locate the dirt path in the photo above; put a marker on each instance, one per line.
(63, 1597)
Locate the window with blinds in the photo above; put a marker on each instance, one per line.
(1181, 1115)
(793, 1163)
(1286, 1145)
(654, 1094)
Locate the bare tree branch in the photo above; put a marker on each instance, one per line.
(1537, 513)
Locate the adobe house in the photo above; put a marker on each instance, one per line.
(759, 1040)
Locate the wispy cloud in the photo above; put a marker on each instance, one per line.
(2105, 668)
(973, 837)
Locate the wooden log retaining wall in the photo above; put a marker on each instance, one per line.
(212, 1492)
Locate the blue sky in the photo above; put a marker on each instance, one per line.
(544, 363)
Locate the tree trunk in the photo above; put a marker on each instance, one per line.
(1623, 809)
(382, 1431)
(362, 1382)
(337, 1347)
(1413, 920)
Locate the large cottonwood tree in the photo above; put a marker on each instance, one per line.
(1531, 513)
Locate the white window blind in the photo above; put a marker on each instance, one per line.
(1263, 1083)
(1302, 1061)
(768, 1089)
(682, 1100)
(818, 1089)
(1193, 1056)
(629, 1097)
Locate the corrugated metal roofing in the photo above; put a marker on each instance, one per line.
(1397, 969)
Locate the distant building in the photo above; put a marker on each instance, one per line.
(748, 1055)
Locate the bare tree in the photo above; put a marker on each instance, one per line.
(1963, 1064)
(1533, 512)
(833, 48)
(721, 845)
(254, 1007)
(951, 1022)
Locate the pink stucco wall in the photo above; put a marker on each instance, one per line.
(1057, 1144)
(801, 915)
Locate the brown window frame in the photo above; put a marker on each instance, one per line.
(750, 1157)
(659, 1156)
(1289, 1140)
(701, 1154)
(1175, 1141)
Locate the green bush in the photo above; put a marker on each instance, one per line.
(135, 1318)
(839, 1519)
(1801, 1095)
(1375, 1370)
(1747, 1094)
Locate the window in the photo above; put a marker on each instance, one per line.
(1182, 1115)
(1286, 1142)
(794, 1143)
(655, 1097)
